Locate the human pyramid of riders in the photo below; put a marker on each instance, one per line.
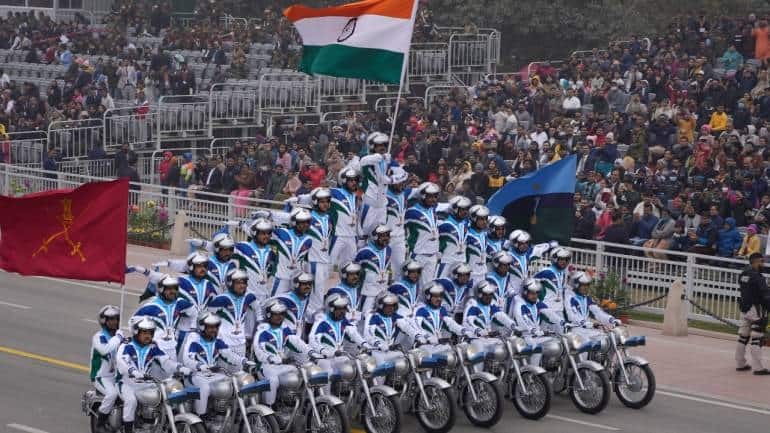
(435, 308)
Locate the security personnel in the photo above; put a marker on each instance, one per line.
(754, 305)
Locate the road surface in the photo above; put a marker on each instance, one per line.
(45, 331)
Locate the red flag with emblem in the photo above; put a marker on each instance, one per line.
(73, 233)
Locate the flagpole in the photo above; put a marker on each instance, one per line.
(403, 76)
(122, 301)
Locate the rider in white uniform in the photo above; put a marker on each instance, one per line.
(482, 316)
(477, 241)
(453, 236)
(495, 236)
(581, 308)
(173, 315)
(396, 217)
(375, 172)
(296, 302)
(502, 280)
(408, 288)
(554, 280)
(530, 313)
(374, 259)
(238, 309)
(435, 320)
(257, 258)
(322, 233)
(104, 346)
(422, 231)
(385, 327)
(345, 212)
(292, 246)
(519, 245)
(350, 287)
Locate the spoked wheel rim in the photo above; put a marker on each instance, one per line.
(259, 424)
(485, 407)
(330, 420)
(535, 398)
(438, 414)
(384, 420)
(638, 386)
(592, 394)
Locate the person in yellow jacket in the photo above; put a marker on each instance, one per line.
(718, 122)
(751, 242)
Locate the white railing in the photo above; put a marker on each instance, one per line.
(182, 117)
(428, 62)
(27, 147)
(127, 125)
(75, 138)
(233, 104)
(282, 93)
(387, 105)
(334, 90)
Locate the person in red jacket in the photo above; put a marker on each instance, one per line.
(164, 166)
(314, 173)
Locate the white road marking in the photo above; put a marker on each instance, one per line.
(25, 428)
(125, 328)
(714, 402)
(9, 304)
(91, 286)
(585, 423)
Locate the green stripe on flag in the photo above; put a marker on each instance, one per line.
(352, 62)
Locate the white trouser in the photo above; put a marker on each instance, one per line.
(203, 381)
(750, 333)
(535, 358)
(375, 216)
(321, 273)
(445, 269)
(476, 276)
(344, 250)
(128, 394)
(558, 308)
(428, 263)
(168, 346)
(106, 386)
(238, 348)
(273, 373)
(281, 285)
(368, 304)
(398, 256)
(260, 290)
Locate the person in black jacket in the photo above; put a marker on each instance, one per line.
(754, 305)
(585, 221)
(617, 233)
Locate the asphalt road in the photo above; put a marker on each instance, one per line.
(45, 331)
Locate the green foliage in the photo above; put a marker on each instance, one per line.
(148, 222)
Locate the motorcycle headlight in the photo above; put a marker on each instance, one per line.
(172, 386)
(518, 344)
(604, 340)
(402, 367)
(221, 389)
(552, 348)
(370, 364)
(148, 397)
(473, 354)
(451, 359)
(346, 370)
(243, 379)
(498, 352)
(575, 341)
(290, 380)
(621, 334)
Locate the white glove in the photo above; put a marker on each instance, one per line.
(184, 371)
(163, 264)
(481, 332)
(249, 364)
(615, 322)
(588, 324)
(197, 243)
(274, 359)
(203, 368)
(433, 339)
(139, 269)
(421, 339)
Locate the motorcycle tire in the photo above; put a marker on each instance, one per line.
(600, 377)
(444, 400)
(494, 396)
(326, 410)
(183, 427)
(382, 402)
(543, 387)
(269, 424)
(619, 385)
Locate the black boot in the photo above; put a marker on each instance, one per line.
(128, 427)
(101, 422)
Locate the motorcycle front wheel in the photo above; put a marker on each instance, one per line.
(596, 394)
(439, 417)
(183, 427)
(641, 389)
(261, 424)
(488, 408)
(333, 420)
(387, 416)
(534, 403)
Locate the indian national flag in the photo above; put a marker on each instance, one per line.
(366, 39)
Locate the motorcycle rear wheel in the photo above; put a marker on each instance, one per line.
(489, 409)
(387, 408)
(537, 402)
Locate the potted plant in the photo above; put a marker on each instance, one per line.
(148, 225)
(610, 291)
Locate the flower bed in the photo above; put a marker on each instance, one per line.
(148, 225)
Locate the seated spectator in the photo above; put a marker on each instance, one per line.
(661, 235)
(750, 243)
(728, 239)
(644, 225)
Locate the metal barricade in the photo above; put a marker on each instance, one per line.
(330, 117)
(504, 76)
(428, 63)
(233, 104)
(433, 92)
(129, 125)
(387, 105)
(470, 56)
(26, 147)
(338, 90)
(182, 117)
(287, 93)
(75, 138)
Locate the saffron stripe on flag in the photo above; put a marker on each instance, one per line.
(391, 8)
(343, 61)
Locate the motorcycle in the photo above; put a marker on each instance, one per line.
(377, 407)
(526, 385)
(587, 381)
(632, 378)
(300, 404)
(431, 399)
(161, 407)
(233, 406)
(480, 394)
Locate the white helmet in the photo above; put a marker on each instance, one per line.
(514, 236)
(299, 215)
(320, 193)
(560, 253)
(143, 323)
(531, 285)
(429, 188)
(336, 300)
(458, 203)
(348, 174)
(432, 288)
(484, 288)
(208, 318)
(478, 211)
(376, 138)
(106, 312)
(167, 281)
(497, 221)
(273, 306)
(257, 214)
(385, 298)
(398, 175)
(502, 258)
(524, 237)
(223, 241)
(303, 278)
(197, 258)
(381, 229)
(461, 269)
(411, 266)
(234, 275)
(260, 225)
(349, 268)
(581, 278)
